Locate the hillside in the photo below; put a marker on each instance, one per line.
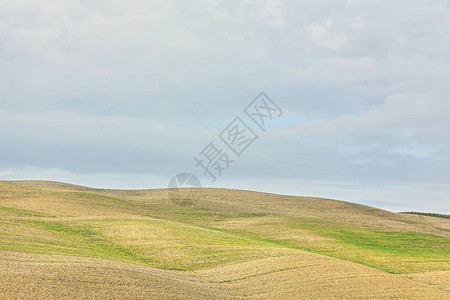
(61, 239)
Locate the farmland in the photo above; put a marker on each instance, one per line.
(61, 240)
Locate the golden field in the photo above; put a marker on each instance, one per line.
(64, 241)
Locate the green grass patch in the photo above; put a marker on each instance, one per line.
(413, 244)
(391, 251)
(64, 238)
(176, 246)
(25, 212)
(388, 250)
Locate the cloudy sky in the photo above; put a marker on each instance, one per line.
(124, 94)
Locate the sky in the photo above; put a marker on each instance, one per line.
(124, 94)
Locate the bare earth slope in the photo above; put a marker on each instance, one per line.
(297, 276)
(65, 241)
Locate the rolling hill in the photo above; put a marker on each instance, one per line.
(61, 240)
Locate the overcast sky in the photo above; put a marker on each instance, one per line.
(124, 94)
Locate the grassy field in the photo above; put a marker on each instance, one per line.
(225, 246)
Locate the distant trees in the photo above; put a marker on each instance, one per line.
(426, 214)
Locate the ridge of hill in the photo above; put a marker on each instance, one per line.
(228, 232)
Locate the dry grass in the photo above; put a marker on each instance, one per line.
(296, 276)
(40, 276)
(440, 279)
(231, 244)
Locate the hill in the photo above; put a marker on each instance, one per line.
(232, 243)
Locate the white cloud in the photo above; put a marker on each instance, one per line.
(325, 36)
(111, 86)
(133, 135)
